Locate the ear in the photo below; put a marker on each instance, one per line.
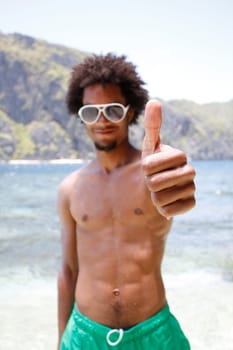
(130, 114)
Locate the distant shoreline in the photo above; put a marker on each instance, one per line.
(38, 161)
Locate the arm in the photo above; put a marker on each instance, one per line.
(68, 273)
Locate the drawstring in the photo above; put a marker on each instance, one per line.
(120, 336)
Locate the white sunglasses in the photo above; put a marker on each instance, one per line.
(114, 112)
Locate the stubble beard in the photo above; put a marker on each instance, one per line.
(106, 148)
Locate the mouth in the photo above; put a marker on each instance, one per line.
(104, 131)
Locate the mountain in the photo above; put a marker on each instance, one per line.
(203, 131)
(34, 123)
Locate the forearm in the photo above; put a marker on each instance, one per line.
(66, 297)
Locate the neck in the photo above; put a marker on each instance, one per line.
(121, 155)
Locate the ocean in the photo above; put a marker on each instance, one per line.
(197, 267)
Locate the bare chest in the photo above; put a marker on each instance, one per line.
(116, 201)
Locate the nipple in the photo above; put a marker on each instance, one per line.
(138, 211)
(84, 217)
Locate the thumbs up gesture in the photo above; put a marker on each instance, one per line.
(168, 176)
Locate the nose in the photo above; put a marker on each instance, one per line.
(102, 118)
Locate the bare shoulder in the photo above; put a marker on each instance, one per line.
(66, 190)
(67, 184)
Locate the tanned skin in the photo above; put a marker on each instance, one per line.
(116, 214)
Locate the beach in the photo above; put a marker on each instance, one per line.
(197, 268)
(28, 312)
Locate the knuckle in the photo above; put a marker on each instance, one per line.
(181, 156)
(189, 203)
(166, 210)
(158, 199)
(146, 165)
(193, 186)
(193, 202)
(190, 171)
(190, 187)
(153, 183)
(150, 184)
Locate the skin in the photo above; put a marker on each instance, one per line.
(115, 214)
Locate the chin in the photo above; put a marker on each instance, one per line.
(105, 148)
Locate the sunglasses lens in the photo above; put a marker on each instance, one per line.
(114, 112)
(89, 114)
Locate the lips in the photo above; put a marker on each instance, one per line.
(105, 130)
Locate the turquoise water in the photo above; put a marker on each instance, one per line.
(198, 266)
(29, 228)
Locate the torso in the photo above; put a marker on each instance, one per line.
(120, 245)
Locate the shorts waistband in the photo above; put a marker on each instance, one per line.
(139, 330)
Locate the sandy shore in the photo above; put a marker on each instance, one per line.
(28, 315)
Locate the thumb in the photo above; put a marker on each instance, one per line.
(152, 124)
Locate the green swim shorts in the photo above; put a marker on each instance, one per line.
(161, 332)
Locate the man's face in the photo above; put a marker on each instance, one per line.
(105, 134)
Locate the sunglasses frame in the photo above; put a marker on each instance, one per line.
(102, 109)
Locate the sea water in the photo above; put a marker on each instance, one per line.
(197, 268)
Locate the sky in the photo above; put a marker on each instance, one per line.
(183, 49)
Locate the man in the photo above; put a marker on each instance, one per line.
(116, 213)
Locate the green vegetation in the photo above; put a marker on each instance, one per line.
(25, 145)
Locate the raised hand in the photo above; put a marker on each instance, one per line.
(168, 176)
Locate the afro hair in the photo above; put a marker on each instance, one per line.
(104, 69)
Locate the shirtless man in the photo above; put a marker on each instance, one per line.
(116, 213)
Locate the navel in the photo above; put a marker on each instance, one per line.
(116, 292)
(138, 211)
